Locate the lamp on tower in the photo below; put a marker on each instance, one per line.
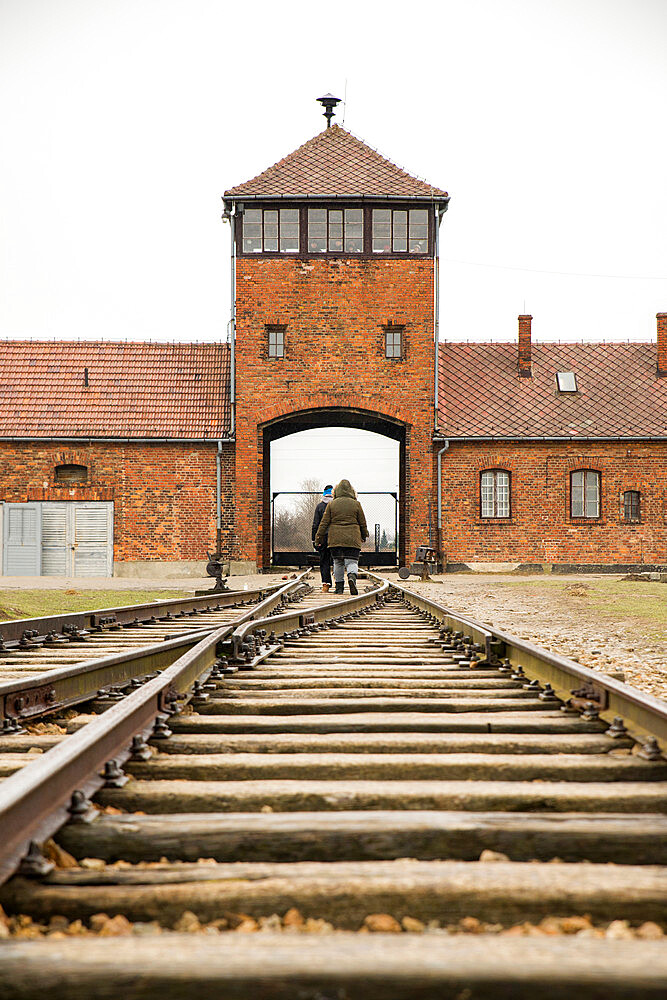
(328, 102)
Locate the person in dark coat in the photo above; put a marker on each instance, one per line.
(323, 548)
(344, 526)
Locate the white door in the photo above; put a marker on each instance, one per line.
(77, 539)
(22, 530)
(56, 554)
(92, 539)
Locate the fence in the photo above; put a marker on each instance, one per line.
(292, 519)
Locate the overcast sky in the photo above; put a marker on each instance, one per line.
(123, 121)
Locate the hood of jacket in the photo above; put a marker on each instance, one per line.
(344, 489)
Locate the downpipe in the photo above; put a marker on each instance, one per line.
(444, 448)
(218, 501)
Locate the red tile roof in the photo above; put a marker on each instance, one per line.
(335, 164)
(481, 394)
(135, 389)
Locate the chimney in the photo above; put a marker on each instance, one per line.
(525, 370)
(662, 344)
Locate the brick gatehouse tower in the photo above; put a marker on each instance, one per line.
(334, 315)
(140, 458)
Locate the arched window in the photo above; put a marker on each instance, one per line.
(585, 493)
(495, 493)
(71, 474)
(632, 505)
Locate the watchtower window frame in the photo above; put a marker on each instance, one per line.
(394, 342)
(341, 229)
(275, 340)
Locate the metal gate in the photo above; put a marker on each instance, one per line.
(291, 528)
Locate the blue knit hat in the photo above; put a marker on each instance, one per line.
(327, 491)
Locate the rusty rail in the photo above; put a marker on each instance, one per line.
(35, 801)
(38, 694)
(579, 687)
(11, 632)
(292, 620)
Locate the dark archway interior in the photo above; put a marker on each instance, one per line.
(334, 417)
(330, 417)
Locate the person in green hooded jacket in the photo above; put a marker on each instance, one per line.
(344, 524)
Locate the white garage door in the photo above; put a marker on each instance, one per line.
(59, 539)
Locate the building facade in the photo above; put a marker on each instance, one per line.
(141, 457)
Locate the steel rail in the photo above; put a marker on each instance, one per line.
(34, 802)
(290, 620)
(38, 694)
(643, 715)
(126, 615)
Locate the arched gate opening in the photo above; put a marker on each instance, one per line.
(287, 510)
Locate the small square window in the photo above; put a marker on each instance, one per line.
(631, 505)
(393, 342)
(276, 335)
(567, 382)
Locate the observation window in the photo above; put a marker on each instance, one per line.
(335, 230)
(400, 230)
(271, 230)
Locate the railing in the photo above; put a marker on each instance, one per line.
(291, 528)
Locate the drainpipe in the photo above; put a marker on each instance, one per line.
(444, 448)
(436, 316)
(232, 325)
(218, 501)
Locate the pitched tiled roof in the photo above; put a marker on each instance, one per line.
(135, 390)
(482, 395)
(335, 164)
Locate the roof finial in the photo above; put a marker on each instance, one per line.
(328, 102)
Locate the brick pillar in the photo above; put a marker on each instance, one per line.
(524, 361)
(662, 344)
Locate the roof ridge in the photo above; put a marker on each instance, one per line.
(388, 160)
(335, 163)
(115, 343)
(546, 343)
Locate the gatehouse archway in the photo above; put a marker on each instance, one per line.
(384, 508)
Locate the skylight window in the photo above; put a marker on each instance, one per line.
(567, 382)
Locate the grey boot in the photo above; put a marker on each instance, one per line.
(340, 586)
(352, 580)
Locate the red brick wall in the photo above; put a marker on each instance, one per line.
(334, 311)
(540, 529)
(163, 495)
(662, 344)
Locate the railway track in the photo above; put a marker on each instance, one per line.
(489, 815)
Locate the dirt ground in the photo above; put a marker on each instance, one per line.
(602, 622)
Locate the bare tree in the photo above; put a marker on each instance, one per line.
(293, 523)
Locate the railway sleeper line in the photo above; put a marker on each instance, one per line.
(351, 766)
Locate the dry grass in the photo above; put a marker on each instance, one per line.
(36, 603)
(643, 604)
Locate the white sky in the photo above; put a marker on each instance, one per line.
(123, 121)
(369, 461)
